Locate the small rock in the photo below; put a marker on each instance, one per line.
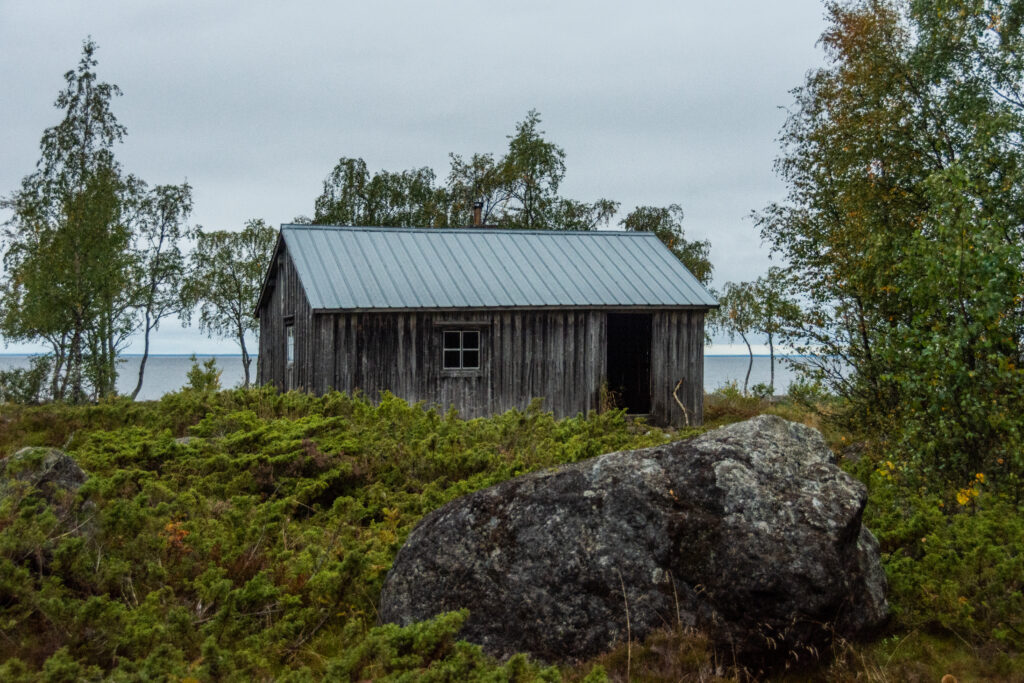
(53, 475)
(51, 471)
(853, 452)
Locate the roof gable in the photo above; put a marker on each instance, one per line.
(366, 268)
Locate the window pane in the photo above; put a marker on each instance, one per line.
(471, 340)
(451, 359)
(451, 340)
(471, 359)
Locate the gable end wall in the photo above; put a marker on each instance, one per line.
(271, 365)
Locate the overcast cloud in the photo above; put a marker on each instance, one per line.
(253, 102)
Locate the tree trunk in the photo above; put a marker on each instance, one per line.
(75, 364)
(55, 380)
(245, 358)
(62, 380)
(750, 365)
(111, 367)
(145, 357)
(771, 354)
(59, 347)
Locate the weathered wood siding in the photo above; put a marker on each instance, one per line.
(558, 355)
(555, 355)
(677, 352)
(285, 303)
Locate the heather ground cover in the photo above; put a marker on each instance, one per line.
(255, 548)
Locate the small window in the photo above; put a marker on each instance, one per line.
(290, 345)
(461, 350)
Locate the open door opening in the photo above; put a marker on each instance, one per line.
(629, 360)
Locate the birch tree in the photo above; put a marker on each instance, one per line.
(161, 268)
(903, 222)
(225, 273)
(67, 243)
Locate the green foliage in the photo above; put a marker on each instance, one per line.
(737, 314)
(517, 190)
(89, 251)
(529, 177)
(775, 312)
(955, 561)
(225, 274)
(430, 649)
(807, 391)
(669, 654)
(902, 227)
(534, 169)
(351, 196)
(667, 224)
(256, 549)
(67, 243)
(729, 404)
(160, 270)
(520, 189)
(763, 306)
(204, 378)
(27, 385)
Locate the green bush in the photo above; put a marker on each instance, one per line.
(955, 562)
(27, 385)
(204, 378)
(807, 391)
(256, 548)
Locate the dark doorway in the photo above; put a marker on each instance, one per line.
(629, 360)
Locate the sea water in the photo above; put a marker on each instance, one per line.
(166, 373)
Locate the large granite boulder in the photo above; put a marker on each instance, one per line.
(749, 532)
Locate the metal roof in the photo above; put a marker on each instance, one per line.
(419, 268)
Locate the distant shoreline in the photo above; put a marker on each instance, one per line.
(168, 372)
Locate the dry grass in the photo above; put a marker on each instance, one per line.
(670, 654)
(675, 654)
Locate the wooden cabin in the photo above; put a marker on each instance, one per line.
(485, 319)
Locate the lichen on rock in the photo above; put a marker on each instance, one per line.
(750, 533)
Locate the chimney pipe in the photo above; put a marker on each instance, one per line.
(478, 210)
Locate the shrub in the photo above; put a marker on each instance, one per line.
(955, 562)
(205, 378)
(258, 548)
(27, 386)
(808, 392)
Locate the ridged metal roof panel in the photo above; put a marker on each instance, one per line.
(409, 268)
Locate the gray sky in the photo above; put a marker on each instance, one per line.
(254, 102)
